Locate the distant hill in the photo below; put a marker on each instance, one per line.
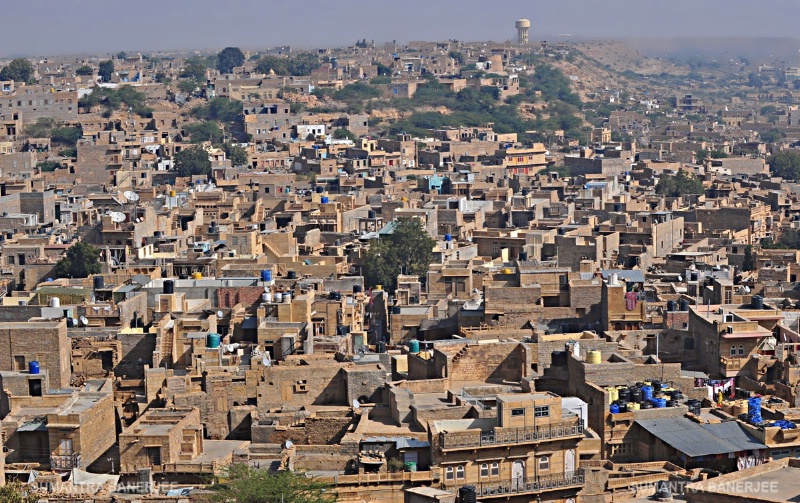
(719, 48)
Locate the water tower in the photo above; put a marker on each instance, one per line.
(523, 25)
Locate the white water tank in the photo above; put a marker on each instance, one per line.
(55, 302)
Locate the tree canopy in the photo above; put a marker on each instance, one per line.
(789, 239)
(194, 69)
(192, 161)
(678, 185)
(106, 69)
(59, 134)
(15, 492)
(204, 131)
(80, 261)
(298, 65)
(219, 109)
(229, 58)
(249, 485)
(235, 153)
(408, 250)
(113, 99)
(84, 70)
(785, 164)
(18, 70)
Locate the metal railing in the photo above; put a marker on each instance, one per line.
(505, 436)
(529, 485)
(65, 461)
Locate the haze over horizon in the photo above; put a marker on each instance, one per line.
(94, 26)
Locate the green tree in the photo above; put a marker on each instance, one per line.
(194, 69)
(770, 136)
(192, 161)
(84, 70)
(785, 164)
(80, 261)
(248, 485)
(106, 69)
(122, 56)
(59, 134)
(161, 78)
(219, 109)
(459, 57)
(272, 63)
(187, 86)
(19, 70)
(229, 58)
(15, 492)
(407, 250)
(204, 131)
(789, 239)
(678, 185)
(748, 264)
(235, 153)
(343, 134)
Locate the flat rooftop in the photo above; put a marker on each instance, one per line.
(777, 481)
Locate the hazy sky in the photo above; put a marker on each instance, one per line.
(50, 27)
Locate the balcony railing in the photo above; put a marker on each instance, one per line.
(510, 436)
(530, 485)
(65, 462)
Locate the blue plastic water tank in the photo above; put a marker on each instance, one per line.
(448, 237)
(212, 341)
(266, 275)
(614, 408)
(413, 346)
(33, 367)
(647, 392)
(324, 199)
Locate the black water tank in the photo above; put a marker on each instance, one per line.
(371, 214)
(625, 394)
(683, 305)
(559, 358)
(320, 189)
(636, 395)
(98, 282)
(757, 302)
(467, 494)
(357, 289)
(396, 310)
(380, 347)
(169, 286)
(291, 275)
(70, 322)
(523, 256)
(671, 306)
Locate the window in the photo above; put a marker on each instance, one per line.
(623, 449)
(448, 473)
(543, 411)
(733, 350)
(484, 470)
(460, 472)
(741, 349)
(544, 464)
(517, 412)
(495, 469)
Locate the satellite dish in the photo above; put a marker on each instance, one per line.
(220, 314)
(356, 404)
(680, 278)
(75, 322)
(266, 361)
(289, 444)
(131, 196)
(84, 320)
(117, 217)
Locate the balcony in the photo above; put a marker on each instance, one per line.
(65, 462)
(529, 486)
(510, 436)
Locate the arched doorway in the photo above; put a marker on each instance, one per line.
(518, 474)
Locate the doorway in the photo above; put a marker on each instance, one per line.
(518, 475)
(569, 463)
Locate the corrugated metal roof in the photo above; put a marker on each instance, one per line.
(694, 440)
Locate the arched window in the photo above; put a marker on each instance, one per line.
(544, 463)
(448, 473)
(495, 469)
(741, 349)
(733, 350)
(460, 471)
(484, 470)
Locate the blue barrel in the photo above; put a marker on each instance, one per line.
(324, 199)
(448, 237)
(754, 410)
(647, 392)
(660, 403)
(212, 341)
(33, 367)
(266, 275)
(413, 346)
(614, 408)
